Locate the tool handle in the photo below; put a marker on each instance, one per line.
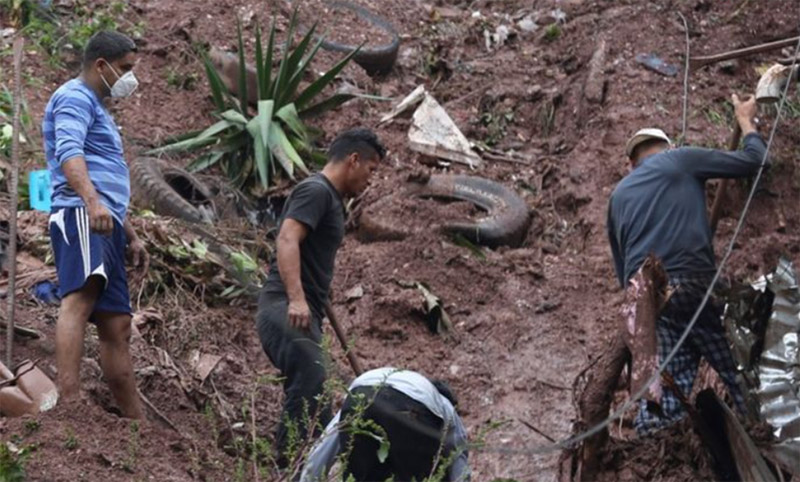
(337, 328)
(716, 208)
(697, 62)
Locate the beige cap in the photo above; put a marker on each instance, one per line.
(645, 135)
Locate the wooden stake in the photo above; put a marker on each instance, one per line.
(19, 42)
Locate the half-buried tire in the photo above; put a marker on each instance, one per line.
(505, 224)
(377, 60)
(170, 191)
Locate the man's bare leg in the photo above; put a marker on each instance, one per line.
(114, 330)
(75, 310)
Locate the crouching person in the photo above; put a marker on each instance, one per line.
(416, 415)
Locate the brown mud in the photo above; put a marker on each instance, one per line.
(528, 320)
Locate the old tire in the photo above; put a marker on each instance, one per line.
(171, 191)
(506, 223)
(374, 60)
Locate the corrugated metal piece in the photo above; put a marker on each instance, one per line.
(779, 367)
(763, 323)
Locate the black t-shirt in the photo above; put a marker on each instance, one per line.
(317, 204)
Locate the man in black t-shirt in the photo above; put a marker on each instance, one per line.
(292, 302)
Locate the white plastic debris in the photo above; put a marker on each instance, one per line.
(434, 134)
(528, 24)
(412, 99)
(559, 15)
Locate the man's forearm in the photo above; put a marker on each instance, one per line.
(289, 269)
(78, 179)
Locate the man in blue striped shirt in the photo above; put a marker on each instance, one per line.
(89, 231)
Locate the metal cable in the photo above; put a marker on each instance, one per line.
(571, 441)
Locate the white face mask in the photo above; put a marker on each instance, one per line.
(124, 86)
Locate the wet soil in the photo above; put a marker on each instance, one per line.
(528, 320)
(343, 25)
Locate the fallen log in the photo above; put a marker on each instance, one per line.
(635, 343)
(595, 403)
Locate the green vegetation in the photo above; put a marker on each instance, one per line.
(12, 462)
(249, 146)
(129, 465)
(552, 32)
(57, 35)
(71, 443)
(496, 124)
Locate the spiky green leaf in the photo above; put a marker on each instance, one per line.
(183, 146)
(266, 81)
(262, 167)
(215, 129)
(242, 69)
(321, 107)
(215, 82)
(262, 92)
(283, 150)
(297, 65)
(288, 114)
(264, 117)
(283, 75)
(318, 85)
(235, 117)
(205, 161)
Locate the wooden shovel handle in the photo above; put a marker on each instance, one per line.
(716, 208)
(337, 328)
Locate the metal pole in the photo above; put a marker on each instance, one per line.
(14, 191)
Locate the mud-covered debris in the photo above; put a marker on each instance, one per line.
(498, 38)
(436, 317)
(594, 89)
(729, 67)
(771, 84)
(434, 134)
(435, 314)
(26, 390)
(145, 319)
(412, 99)
(657, 65)
(203, 363)
(528, 24)
(354, 293)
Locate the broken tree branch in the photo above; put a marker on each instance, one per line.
(539, 431)
(158, 413)
(595, 403)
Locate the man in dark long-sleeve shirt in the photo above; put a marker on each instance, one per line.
(660, 208)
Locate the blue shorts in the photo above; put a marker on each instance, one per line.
(81, 253)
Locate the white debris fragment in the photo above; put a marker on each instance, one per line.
(559, 16)
(528, 24)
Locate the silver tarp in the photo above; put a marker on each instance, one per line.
(764, 327)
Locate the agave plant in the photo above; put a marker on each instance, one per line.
(247, 146)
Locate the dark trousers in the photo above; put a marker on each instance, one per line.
(301, 361)
(414, 433)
